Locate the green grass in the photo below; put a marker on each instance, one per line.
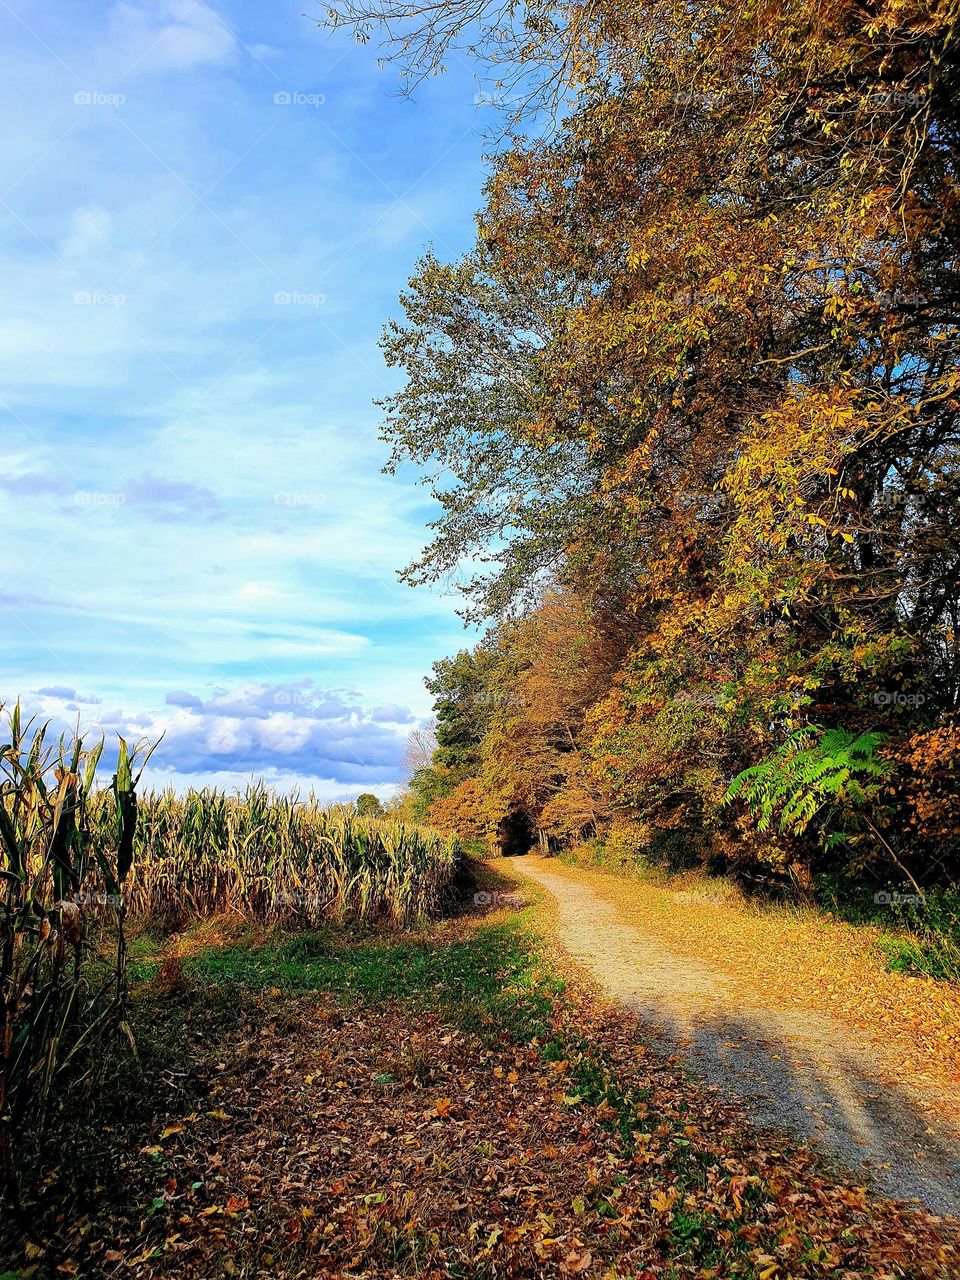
(937, 958)
(917, 937)
(490, 978)
(494, 981)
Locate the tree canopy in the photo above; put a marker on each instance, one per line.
(690, 409)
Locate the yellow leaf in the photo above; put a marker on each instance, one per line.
(663, 1201)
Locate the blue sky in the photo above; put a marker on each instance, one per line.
(207, 213)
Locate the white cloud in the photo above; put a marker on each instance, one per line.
(173, 35)
(258, 591)
(299, 731)
(329, 790)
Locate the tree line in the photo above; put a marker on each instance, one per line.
(690, 411)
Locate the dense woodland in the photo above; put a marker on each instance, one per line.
(690, 407)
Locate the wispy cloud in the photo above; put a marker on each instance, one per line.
(31, 483)
(62, 693)
(171, 498)
(172, 35)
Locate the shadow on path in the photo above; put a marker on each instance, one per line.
(796, 1071)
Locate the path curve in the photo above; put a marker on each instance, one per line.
(793, 1070)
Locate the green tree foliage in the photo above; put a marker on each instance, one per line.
(427, 785)
(462, 702)
(827, 778)
(368, 806)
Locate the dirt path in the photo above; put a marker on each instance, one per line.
(795, 1069)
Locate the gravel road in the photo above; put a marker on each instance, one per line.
(794, 1070)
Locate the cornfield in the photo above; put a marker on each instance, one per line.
(76, 861)
(62, 976)
(276, 858)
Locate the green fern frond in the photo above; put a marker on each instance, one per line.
(825, 772)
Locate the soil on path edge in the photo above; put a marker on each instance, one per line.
(794, 1069)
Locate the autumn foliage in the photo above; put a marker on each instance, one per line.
(691, 405)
